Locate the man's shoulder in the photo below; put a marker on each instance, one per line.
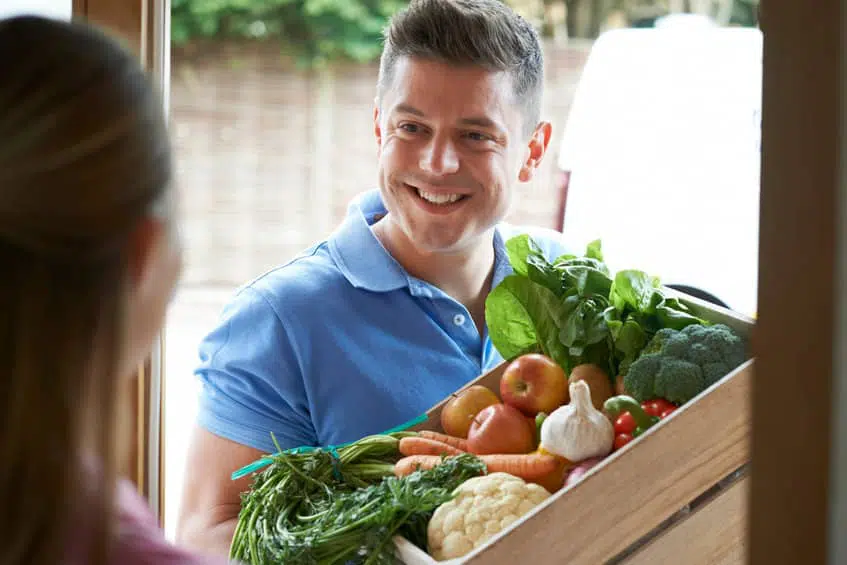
(310, 275)
(551, 242)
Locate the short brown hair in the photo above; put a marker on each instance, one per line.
(485, 33)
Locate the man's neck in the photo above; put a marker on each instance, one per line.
(465, 275)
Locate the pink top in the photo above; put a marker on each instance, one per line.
(141, 540)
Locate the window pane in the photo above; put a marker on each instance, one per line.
(61, 9)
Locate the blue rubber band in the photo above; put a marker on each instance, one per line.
(332, 449)
(336, 462)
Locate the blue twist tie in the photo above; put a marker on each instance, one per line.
(336, 462)
(332, 449)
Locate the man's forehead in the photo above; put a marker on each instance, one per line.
(409, 70)
(421, 86)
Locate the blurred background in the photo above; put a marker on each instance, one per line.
(271, 107)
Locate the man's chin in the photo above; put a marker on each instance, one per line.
(441, 243)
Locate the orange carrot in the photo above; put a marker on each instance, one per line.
(531, 467)
(424, 446)
(528, 466)
(412, 463)
(457, 442)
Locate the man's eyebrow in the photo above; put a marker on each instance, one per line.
(481, 122)
(407, 109)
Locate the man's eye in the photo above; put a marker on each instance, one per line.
(409, 128)
(477, 136)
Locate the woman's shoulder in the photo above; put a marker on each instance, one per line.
(140, 540)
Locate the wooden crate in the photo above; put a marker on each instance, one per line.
(676, 495)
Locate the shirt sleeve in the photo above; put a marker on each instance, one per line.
(252, 379)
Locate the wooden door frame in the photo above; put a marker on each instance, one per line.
(801, 260)
(144, 25)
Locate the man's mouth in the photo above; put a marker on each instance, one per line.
(438, 198)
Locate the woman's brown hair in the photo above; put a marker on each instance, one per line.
(84, 157)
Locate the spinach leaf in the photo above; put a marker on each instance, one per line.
(524, 316)
(630, 338)
(527, 260)
(584, 322)
(633, 290)
(518, 249)
(566, 264)
(671, 313)
(587, 281)
(563, 258)
(543, 273)
(594, 250)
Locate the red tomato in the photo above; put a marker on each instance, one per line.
(625, 424)
(656, 406)
(664, 404)
(621, 440)
(666, 413)
(650, 407)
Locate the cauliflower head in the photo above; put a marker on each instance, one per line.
(481, 508)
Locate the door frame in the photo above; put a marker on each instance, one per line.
(800, 384)
(145, 26)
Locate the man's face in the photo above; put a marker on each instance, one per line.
(452, 146)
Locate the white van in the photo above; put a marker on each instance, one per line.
(660, 156)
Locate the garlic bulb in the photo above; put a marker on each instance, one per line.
(577, 431)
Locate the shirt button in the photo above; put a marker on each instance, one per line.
(459, 320)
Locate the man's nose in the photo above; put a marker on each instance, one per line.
(440, 157)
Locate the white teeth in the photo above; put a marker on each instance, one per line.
(438, 198)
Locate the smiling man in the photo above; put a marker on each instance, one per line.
(376, 324)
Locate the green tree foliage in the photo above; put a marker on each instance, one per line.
(313, 31)
(745, 13)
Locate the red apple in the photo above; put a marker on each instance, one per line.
(534, 383)
(463, 406)
(500, 428)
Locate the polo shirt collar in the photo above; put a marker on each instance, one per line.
(360, 256)
(366, 264)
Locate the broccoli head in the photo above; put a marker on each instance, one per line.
(677, 365)
(658, 341)
(640, 379)
(678, 381)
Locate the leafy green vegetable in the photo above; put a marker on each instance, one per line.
(528, 261)
(585, 323)
(518, 249)
(629, 339)
(574, 311)
(594, 250)
(524, 316)
(633, 290)
(331, 526)
(297, 480)
(671, 313)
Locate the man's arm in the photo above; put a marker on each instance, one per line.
(211, 500)
(251, 386)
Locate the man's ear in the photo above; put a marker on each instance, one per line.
(536, 149)
(377, 128)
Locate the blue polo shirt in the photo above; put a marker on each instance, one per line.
(341, 342)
